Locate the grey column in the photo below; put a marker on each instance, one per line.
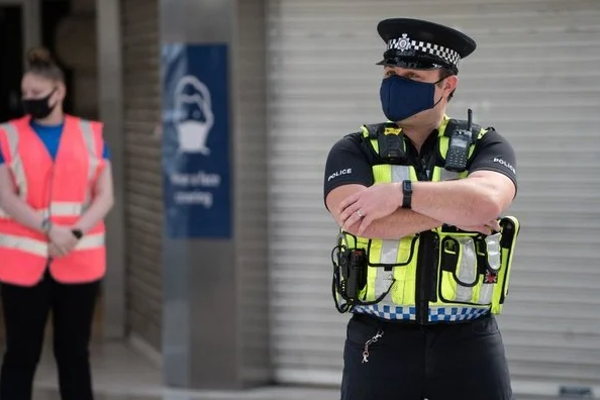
(215, 327)
(110, 104)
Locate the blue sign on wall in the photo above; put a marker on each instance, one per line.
(195, 143)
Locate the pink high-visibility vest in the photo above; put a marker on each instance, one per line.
(61, 190)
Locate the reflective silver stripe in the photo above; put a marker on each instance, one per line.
(390, 247)
(400, 173)
(40, 248)
(486, 293)
(94, 157)
(66, 209)
(389, 255)
(494, 259)
(467, 272)
(446, 175)
(90, 242)
(58, 209)
(62, 209)
(16, 164)
(90, 144)
(493, 251)
(32, 246)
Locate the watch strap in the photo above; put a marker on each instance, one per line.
(46, 225)
(406, 194)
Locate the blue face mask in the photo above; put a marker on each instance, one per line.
(402, 98)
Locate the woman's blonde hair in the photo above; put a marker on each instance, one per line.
(40, 62)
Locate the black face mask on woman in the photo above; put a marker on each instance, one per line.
(38, 108)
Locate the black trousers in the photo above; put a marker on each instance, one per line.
(26, 312)
(462, 361)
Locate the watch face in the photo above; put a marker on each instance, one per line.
(46, 225)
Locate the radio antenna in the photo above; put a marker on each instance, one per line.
(469, 118)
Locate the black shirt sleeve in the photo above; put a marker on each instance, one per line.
(494, 153)
(347, 164)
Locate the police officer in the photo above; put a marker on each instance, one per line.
(424, 259)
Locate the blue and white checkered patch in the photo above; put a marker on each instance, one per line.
(409, 313)
(437, 314)
(395, 313)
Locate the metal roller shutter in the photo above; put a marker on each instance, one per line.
(535, 78)
(141, 91)
(251, 205)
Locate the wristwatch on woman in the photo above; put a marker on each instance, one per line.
(46, 225)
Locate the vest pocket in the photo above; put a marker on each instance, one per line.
(459, 273)
(489, 259)
(391, 266)
(506, 244)
(470, 268)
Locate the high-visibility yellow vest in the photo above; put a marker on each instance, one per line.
(433, 276)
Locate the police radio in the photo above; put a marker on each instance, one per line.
(350, 267)
(349, 275)
(354, 271)
(458, 149)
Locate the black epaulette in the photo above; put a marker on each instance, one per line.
(375, 130)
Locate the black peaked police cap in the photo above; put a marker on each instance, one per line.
(419, 44)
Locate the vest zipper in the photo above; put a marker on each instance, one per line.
(426, 274)
(422, 305)
(426, 262)
(424, 171)
(435, 253)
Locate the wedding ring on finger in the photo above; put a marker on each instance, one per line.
(360, 214)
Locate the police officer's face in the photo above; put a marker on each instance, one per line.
(443, 88)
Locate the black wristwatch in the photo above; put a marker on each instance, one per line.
(77, 233)
(406, 194)
(46, 225)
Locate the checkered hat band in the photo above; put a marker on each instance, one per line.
(446, 54)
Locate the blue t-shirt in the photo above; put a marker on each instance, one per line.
(50, 135)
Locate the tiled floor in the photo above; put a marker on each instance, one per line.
(122, 374)
(117, 369)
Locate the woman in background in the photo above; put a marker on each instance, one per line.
(55, 191)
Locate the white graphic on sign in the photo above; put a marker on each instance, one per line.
(194, 127)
